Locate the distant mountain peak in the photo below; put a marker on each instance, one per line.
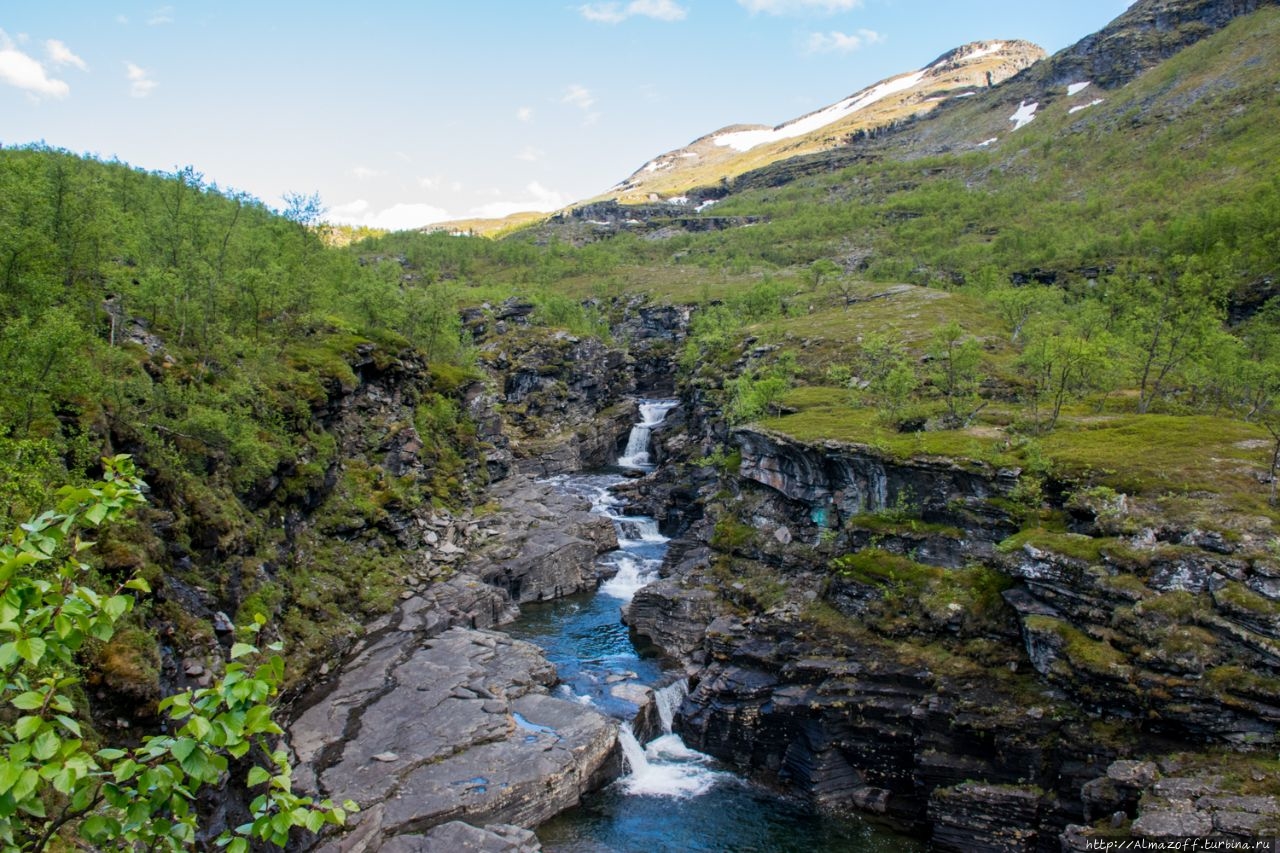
(733, 150)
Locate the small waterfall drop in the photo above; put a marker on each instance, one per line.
(668, 699)
(664, 768)
(636, 454)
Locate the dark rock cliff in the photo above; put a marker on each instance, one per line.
(867, 631)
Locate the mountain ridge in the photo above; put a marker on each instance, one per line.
(735, 149)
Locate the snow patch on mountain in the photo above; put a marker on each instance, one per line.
(1077, 88)
(994, 47)
(745, 140)
(1025, 114)
(1092, 103)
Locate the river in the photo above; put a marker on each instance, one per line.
(671, 799)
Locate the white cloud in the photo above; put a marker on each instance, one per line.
(525, 114)
(22, 71)
(121, 19)
(799, 7)
(163, 15)
(60, 54)
(529, 154)
(428, 183)
(616, 13)
(538, 198)
(579, 96)
(140, 82)
(397, 217)
(838, 42)
(364, 173)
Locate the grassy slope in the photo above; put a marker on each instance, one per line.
(1066, 191)
(1181, 160)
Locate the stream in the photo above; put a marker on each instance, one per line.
(671, 798)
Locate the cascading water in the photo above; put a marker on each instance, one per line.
(672, 798)
(652, 414)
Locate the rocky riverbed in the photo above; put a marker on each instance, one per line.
(437, 718)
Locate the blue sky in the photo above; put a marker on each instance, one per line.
(403, 113)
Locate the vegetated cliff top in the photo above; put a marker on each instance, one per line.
(731, 151)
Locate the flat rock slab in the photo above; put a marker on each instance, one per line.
(545, 542)
(459, 837)
(420, 733)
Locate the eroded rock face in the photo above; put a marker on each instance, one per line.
(983, 720)
(544, 543)
(837, 481)
(1146, 34)
(1172, 803)
(455, 727)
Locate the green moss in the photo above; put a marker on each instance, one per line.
(266, 599)
(1240, 597)
(1082, 651)
(1241, 680)
(1130, 586)
(449, 378)
(129, 663)
(880, 523)
(1175, 606)
(881, 568)
(729, 533)
(1156, 454)
(1074, 545)
(934, 597)
(327, 360)
(837, 420)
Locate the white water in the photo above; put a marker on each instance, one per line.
(668, 699)
(666, 767)
(652, 413)
(628, 581)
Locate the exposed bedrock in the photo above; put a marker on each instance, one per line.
(836, 481)
(458, 727)
(971, 686)
(865, 727)
(544, 543)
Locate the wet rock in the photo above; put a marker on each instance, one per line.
(486, 742)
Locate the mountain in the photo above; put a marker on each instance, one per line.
(733, 150)
(1144, 35)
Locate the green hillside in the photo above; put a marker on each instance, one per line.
(1083, 306)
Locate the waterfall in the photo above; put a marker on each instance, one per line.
(668, 699)
(652, 413)
(638, 529)
(665, 768)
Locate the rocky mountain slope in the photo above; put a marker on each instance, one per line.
(730, 151)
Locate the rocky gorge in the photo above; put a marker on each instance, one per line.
(883, 635)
